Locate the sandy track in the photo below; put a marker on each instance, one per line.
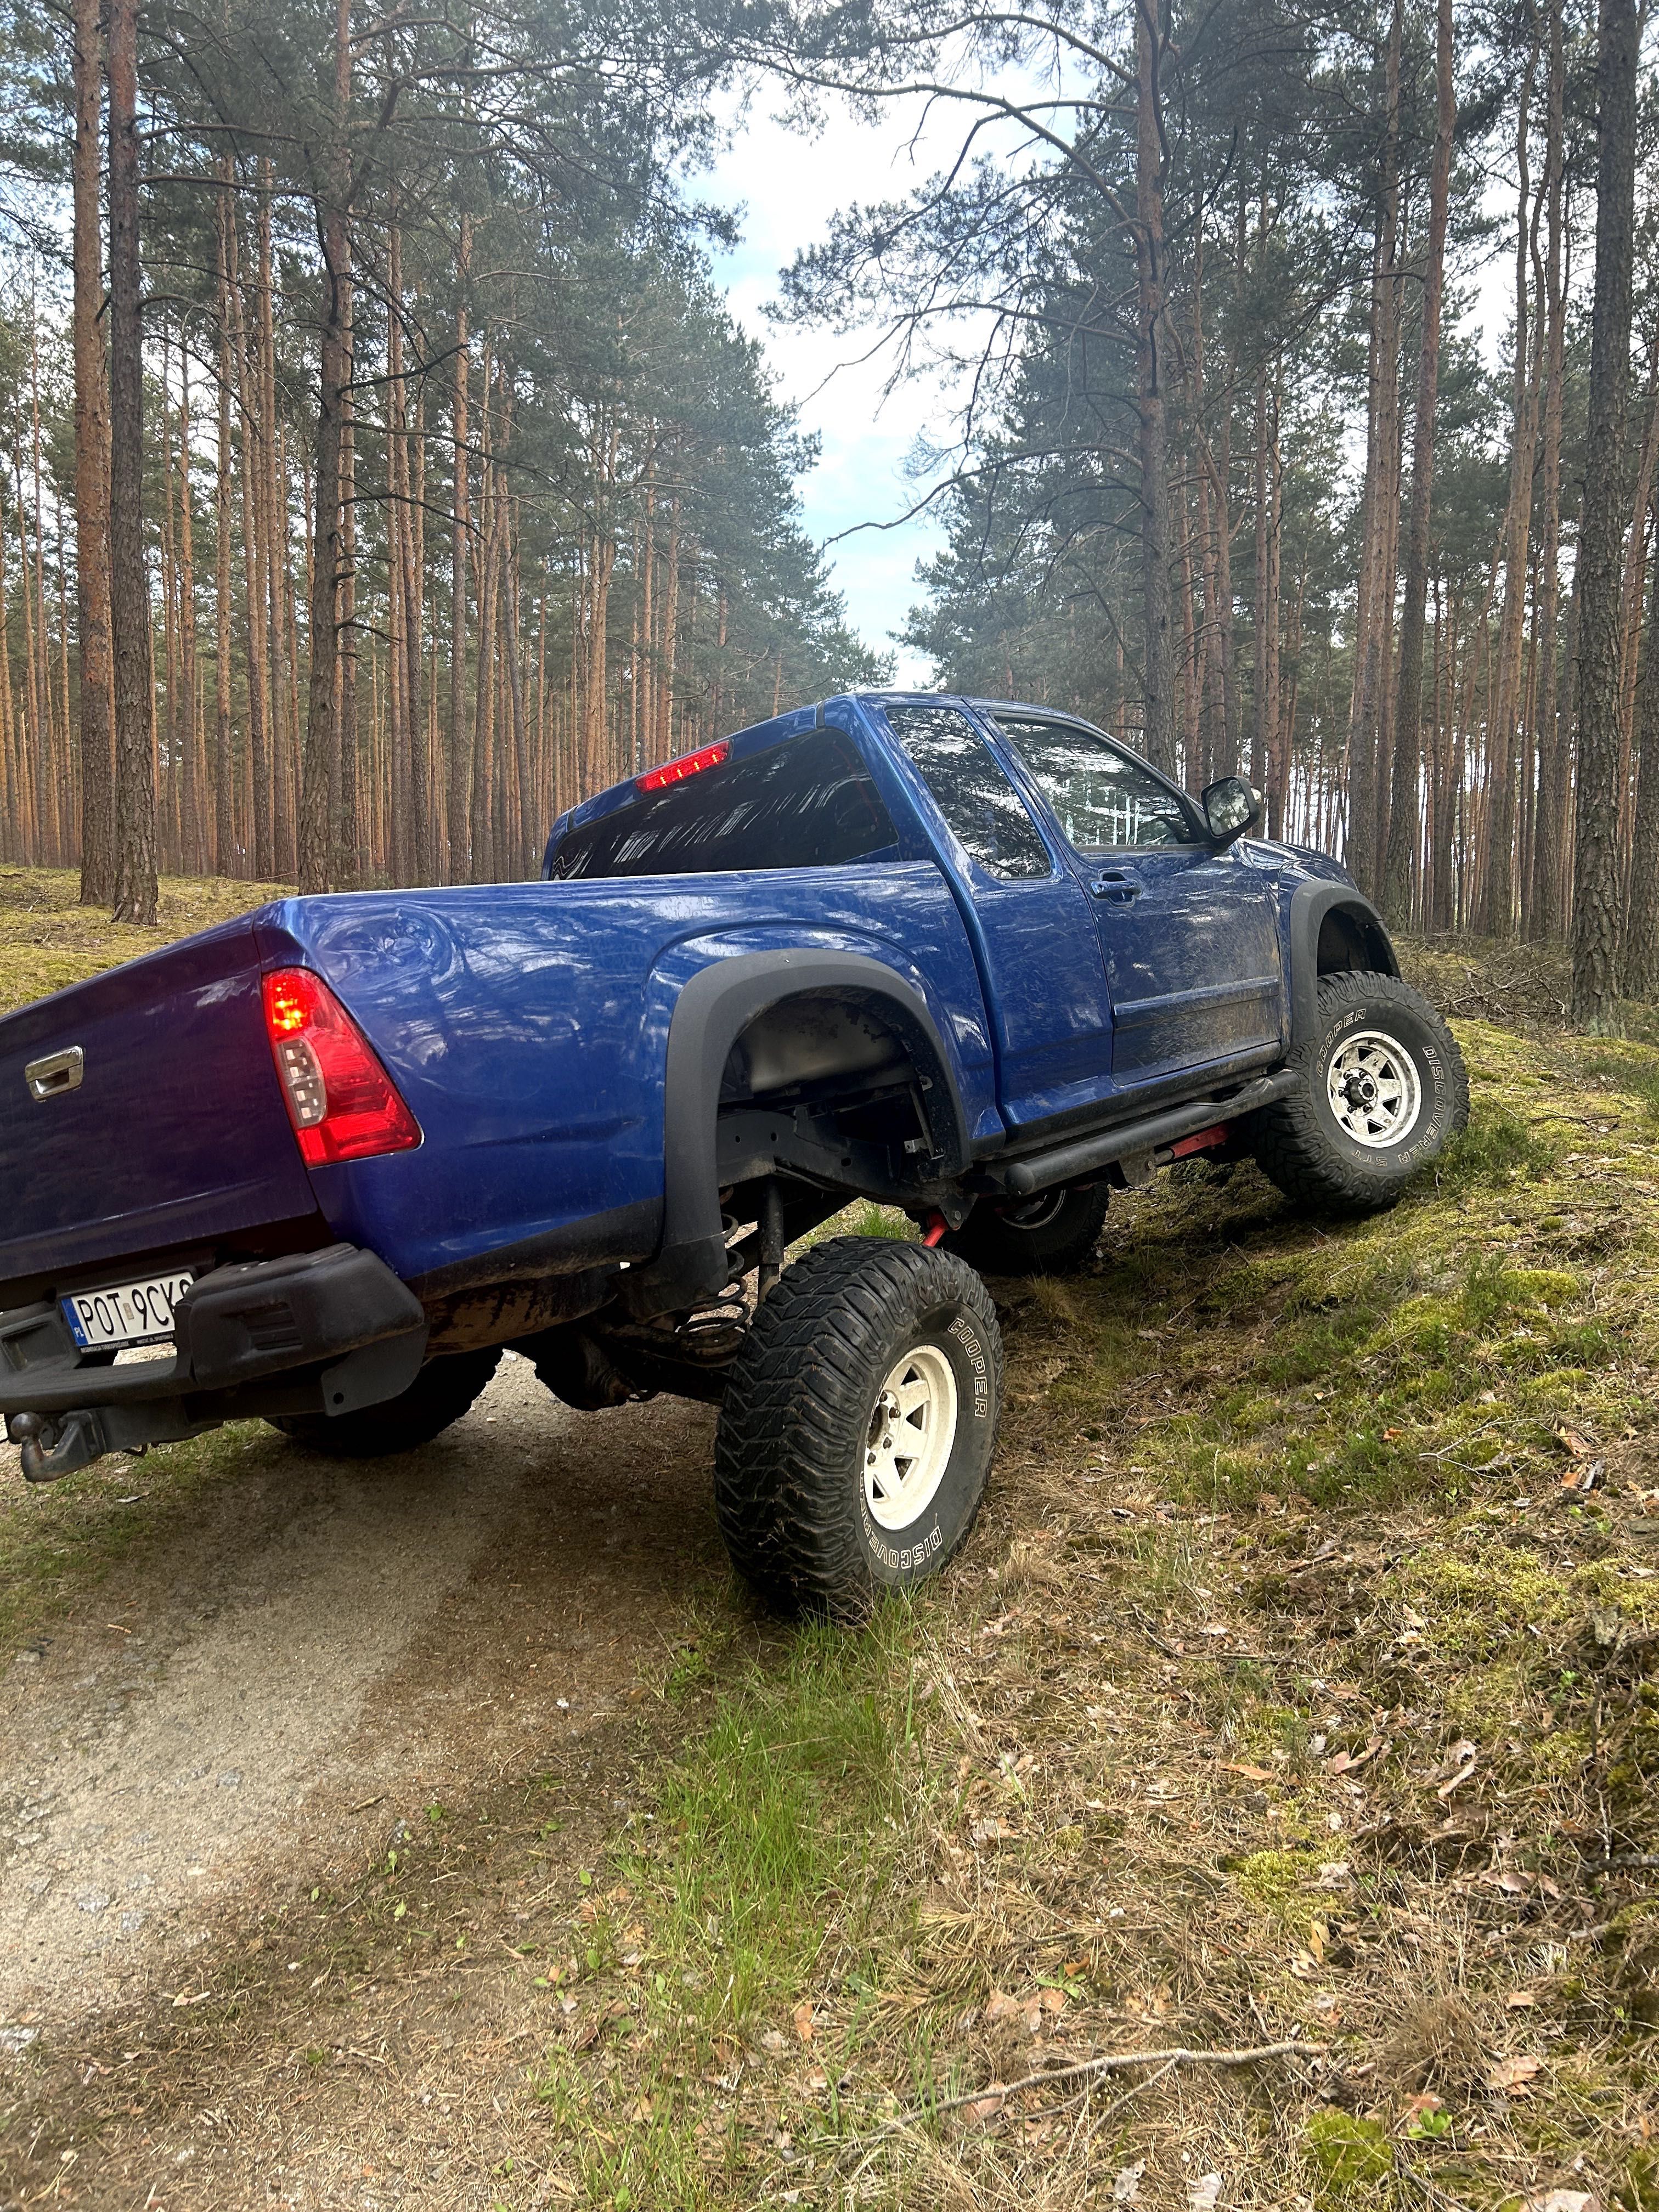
(329, 1649)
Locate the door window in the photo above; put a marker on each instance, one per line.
(970, 791)
(808, 804)
(1103, 798)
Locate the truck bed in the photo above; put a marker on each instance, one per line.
(525, 1025)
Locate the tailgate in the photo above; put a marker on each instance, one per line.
(174, 1133)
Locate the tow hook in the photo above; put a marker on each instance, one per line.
(938, 1228)
(49, 1449)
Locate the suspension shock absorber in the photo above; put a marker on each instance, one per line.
(771, 1230)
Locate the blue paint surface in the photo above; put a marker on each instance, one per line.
(526, 1024)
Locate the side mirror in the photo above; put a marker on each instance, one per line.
(1230, 808)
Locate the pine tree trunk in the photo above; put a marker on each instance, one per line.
(1258, 767)
(1375, 609)
(273, 504)
(255, 557)
(348, 835)
(135, 891)
(1190, 744)
(1495, 917)
(1403, 818)
(193, 856)
(670, 631)
(1595, 906)
(483, 729)
(321, 766)
(1541, 915)
(420, 758)
(226, 859)
(11, 814)
(516, 811)
(1158, 644)
(167, 782)
(1275, 739)
(1641, 977)
(460, 758)
(47, 748)
(92, 472)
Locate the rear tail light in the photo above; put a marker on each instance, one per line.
(341, 1101)
(676, 771)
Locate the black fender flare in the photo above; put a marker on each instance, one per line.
(714, 1007)
(1310, 905)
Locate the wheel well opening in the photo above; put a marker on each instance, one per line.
(814, 1040)
(1351, 940)
(861, 1091)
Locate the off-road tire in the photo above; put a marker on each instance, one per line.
(442, 1391)
(800, 1413)
(1057, 1232)
(1299, 1142)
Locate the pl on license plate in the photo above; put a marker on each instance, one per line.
(131, 1313)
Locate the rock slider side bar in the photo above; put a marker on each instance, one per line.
(1018, 1178)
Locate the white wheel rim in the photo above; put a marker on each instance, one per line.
(912, 1429)
(1374, 1090)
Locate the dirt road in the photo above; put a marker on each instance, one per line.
(324, 1650)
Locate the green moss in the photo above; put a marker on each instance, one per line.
(1637, 2188)
(1482, 1702)
(1272, 1878)
(1351, 2158)
(1633, 1070)
(1497, 1147)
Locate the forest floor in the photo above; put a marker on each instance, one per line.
(453, 1834)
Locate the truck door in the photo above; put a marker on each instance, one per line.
(1189, 935)
(1027, 915)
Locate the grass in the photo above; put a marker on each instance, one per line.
(48, 940)
(757, 1898)
(58, 1542)
(1298, 1682)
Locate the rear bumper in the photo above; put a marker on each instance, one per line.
(327, 1332)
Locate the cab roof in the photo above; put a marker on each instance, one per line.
(796, 723)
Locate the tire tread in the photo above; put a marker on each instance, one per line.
(440, 1394)
(1291, 1148)
(797, 1387)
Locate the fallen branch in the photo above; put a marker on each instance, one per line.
(1135, 2089)
(1110, 2061)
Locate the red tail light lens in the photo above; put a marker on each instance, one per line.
(676, 771)
(340, 1099)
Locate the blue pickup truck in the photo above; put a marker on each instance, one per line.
(974, 961)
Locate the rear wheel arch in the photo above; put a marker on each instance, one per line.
(787, 1001)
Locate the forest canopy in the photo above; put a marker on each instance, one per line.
(452, 267)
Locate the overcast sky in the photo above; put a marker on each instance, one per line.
(788, 188)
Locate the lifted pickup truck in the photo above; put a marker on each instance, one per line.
(972, 960)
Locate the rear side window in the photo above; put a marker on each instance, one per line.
(1102, 798)
(808, 804)
(973, 794)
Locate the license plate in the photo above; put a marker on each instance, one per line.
(130, 1313)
